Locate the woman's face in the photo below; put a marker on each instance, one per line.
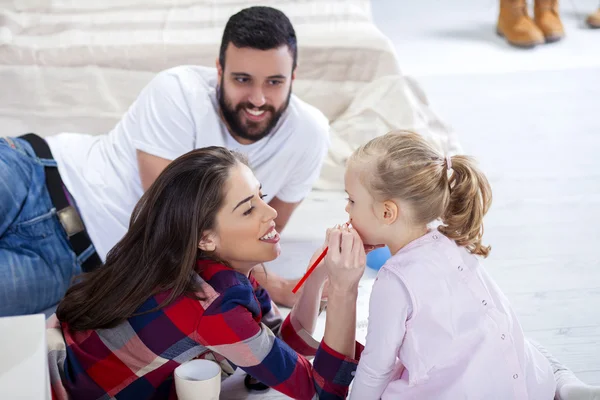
(245, 233)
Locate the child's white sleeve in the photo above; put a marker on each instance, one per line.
(384, 336)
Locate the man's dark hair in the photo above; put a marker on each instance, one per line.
(262, 28)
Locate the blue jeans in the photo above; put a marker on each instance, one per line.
(37, 263)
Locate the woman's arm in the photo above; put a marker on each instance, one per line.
(384, 336)
(345, 263)
(298, 327)
(306, 310)
(230, 326)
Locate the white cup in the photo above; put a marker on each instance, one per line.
(198, 380)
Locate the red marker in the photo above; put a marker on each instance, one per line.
(310, 270)
(312, 267)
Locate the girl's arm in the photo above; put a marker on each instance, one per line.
(389, 309)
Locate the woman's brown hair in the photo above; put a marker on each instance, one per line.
(159, 251)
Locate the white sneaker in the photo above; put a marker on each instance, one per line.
(568, 386)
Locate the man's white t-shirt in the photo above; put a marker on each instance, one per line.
(176, 113)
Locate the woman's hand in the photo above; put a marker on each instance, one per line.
(345, 261)
(320, 272)
(345, 264)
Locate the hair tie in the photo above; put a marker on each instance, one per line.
(449, 162)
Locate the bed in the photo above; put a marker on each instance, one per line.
(76, 66)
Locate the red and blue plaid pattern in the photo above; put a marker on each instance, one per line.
(237, 326)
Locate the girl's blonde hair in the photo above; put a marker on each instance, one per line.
(403, 165)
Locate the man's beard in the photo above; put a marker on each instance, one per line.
(250, 130)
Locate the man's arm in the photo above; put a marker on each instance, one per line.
(160, 125)
(150, 167)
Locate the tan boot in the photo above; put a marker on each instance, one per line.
(516, 26)
(593, 20)
(548, 20)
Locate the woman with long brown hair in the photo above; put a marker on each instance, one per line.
(179, 286)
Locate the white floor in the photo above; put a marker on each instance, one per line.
(435, 37)
(528, 116)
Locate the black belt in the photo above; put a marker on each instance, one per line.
(67, 214)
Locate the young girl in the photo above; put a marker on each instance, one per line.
(439, 327)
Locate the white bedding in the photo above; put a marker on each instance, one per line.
(72, 65)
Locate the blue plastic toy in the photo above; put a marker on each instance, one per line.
(378, 257)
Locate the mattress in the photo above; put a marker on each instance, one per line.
(76, 65)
